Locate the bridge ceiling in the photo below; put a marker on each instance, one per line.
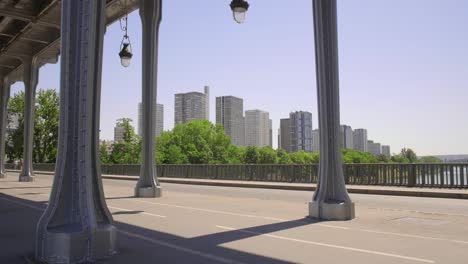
(32, 28)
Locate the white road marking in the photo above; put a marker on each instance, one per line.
(154, 241)
(284, 220)
(319, 224)
(331, 245)
(208, 210)
(144, 213)
(179, 248)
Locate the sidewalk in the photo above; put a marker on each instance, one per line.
(360, 189)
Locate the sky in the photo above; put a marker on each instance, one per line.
(403, 66)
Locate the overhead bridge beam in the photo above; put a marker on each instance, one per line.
(28, 17)
(25, 38)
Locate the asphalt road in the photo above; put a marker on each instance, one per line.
(204, 224)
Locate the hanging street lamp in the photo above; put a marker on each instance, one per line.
(239, 9)
(125, 53)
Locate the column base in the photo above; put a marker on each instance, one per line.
(332, 210)
(148, 192)
(3, 175)
(26, 178)
(68, 245)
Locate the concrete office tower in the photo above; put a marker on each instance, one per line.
(374, 148)
(346, 137)
(119, 132)
(315, 140)
(386, 150)
(207, 102)
(159, 120)
(271, 132)
(230, 113)
(284, 135)
(257, 128)
(360, 139)
(300, 131)
(191, 106)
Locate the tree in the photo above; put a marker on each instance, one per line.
(283, 157)
(409, 154)
(195, 142)
(301, 157)
(355, 156)
(252, 155)
(430, 159)
(129, 132)
(399, 159)
(46, 118)
(14, 142)
(383, 158)
(46, 126)
(267, 155)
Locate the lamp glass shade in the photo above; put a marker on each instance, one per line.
(125, 55)
(239, 14)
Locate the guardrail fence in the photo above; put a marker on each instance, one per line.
(440, 175)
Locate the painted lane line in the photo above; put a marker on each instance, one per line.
(208, 210)
(331, 245)
(147, 239)
(319, 224)
(144, 213)
(180, 248)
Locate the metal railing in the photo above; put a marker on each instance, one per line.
(437, 175)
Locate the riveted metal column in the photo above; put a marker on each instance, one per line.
(331, 200)
(31, 72)
(4, 97)
(150, 13)
(77, 226)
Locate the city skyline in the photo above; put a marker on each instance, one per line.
(384, 81)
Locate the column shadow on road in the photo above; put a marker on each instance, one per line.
(143, 245)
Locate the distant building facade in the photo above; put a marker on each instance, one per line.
(315, 140)
(191, 106)
(284, 135)
(374, 148)
(257, 128)
(386, 151)
(300, 131)
(159, 120)
(346, 137)
(230, 113)
(119, 132)
(360, 139)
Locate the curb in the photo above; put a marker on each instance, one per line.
(405, 191)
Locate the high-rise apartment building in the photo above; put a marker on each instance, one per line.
(271, 132)
(119, 132)
(301, 131)
(315, 140)
(159, 120)
(374, 148)
(346, 137)
(191, 106)
(386, 150)
(360, 139)
(257, 128)
(296, 132)
(284, 135)
(230, 113)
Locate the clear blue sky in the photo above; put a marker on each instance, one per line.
(403, 66)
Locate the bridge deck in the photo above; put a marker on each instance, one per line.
(205, 224)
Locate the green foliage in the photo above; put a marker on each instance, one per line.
(355, 156)
(410, 155)
(430, 159)
(302, 157)
(196, 142)
(46, 120)
(267, 155)
(383, 159)
(129, 135)
(399, 159)
(283, 157)
(252, 155)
